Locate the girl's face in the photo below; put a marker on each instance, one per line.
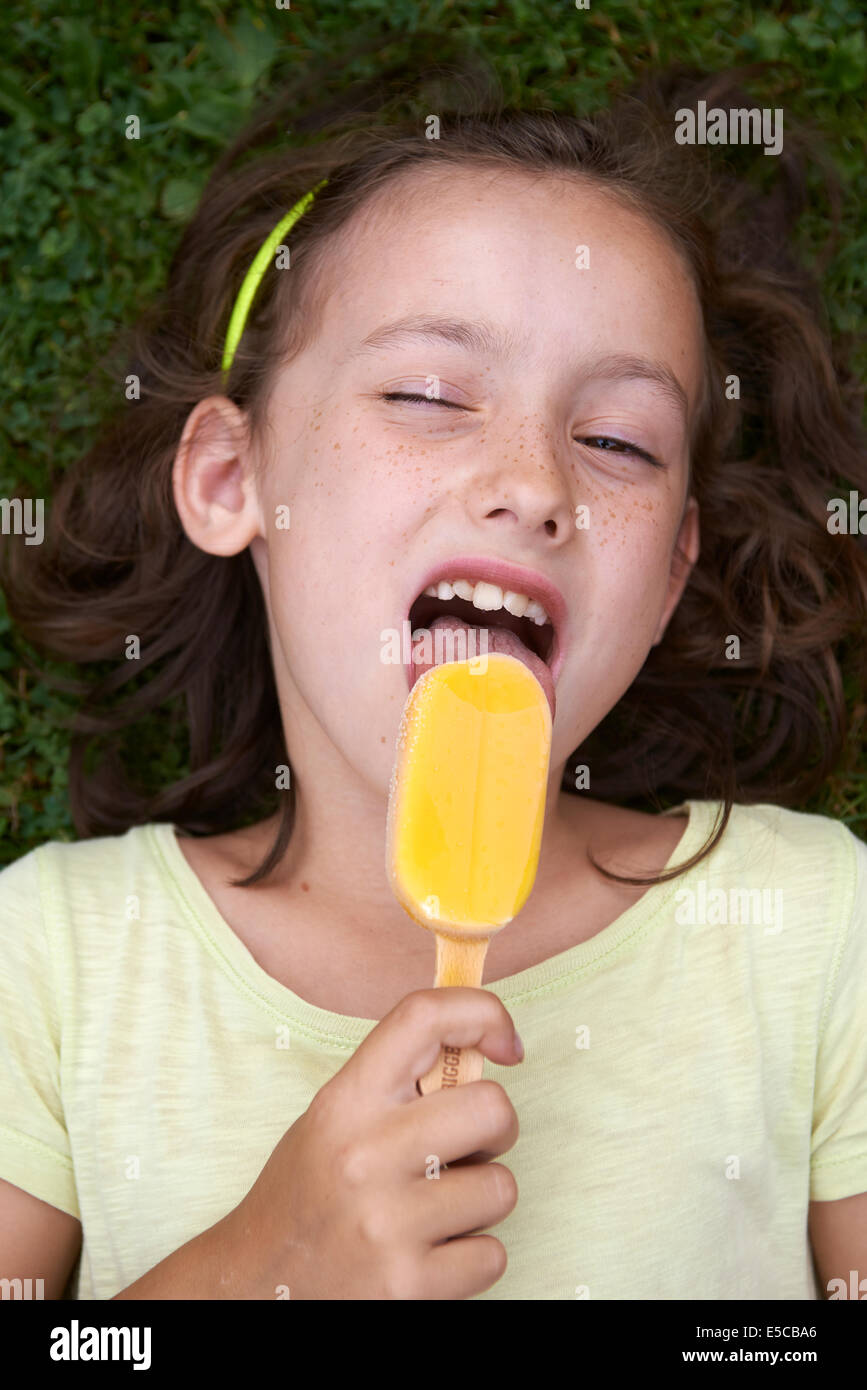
(568, 380)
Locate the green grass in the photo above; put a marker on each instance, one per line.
(88, 220)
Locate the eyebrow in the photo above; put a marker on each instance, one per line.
(489, 340)
(479, 336)
(622, 366)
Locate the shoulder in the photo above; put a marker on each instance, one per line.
(811, 867)
(86, 856)
(798, 845)
(80, 883)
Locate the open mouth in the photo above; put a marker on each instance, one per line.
(530, 636)
(539, 638)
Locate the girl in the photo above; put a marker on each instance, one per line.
(573, 361)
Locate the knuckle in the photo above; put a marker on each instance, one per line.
(374, 1225)
(494, 1258)
(496, 1107)
(353, 1165)
(498, 1009)
(418, 1009)
(504, 1185)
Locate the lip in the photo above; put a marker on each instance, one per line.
(507, 576)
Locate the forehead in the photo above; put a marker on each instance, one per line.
(507, 245)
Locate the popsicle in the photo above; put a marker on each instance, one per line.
(465, 814)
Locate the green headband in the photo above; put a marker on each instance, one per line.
(251, 280)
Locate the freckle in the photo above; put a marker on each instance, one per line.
(305, 888)
(382, 740)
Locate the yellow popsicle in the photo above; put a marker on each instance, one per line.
(465, 815)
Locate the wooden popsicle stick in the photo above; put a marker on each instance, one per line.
(460, 961)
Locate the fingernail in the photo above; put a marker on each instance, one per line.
(519, 1046)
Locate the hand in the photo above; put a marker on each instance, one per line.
(344, 1209)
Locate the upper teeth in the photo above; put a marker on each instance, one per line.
(490, 597)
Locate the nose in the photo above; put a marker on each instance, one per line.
(521, 481)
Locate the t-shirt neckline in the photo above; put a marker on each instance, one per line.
(344, 1030)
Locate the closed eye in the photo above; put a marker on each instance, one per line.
(619, 446)
(601, 441)
(420, 397)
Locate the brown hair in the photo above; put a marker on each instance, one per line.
(115, 559)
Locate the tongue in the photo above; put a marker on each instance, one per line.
(500, 639)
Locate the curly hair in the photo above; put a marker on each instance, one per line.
(115, 559)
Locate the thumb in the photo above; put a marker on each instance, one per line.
(406, 1043)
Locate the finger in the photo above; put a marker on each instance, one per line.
(447, 1126)
(464, 1267)
(406, 1043)
(462, 1201)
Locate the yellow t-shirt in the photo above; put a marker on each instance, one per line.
(694, 1074)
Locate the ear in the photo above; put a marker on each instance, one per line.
(684, 557)
(212, 479)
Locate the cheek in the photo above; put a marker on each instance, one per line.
(399, 472)
(632, 528)
(333, 498)
(350, 471)
(629, 543)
